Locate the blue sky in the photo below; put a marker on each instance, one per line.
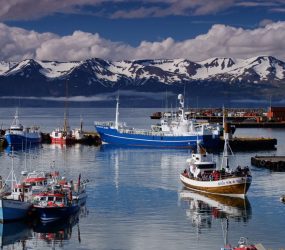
(138, 29)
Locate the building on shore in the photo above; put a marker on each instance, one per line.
(276, 114)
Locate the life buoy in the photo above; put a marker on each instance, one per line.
(262, 163)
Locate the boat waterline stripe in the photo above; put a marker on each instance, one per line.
(137, 139)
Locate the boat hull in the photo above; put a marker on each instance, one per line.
(236, 186)
(47, 214)
(11, 210)
(62, 140)
(14, 139)
(113, 136)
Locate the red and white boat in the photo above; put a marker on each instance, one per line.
(62, 135)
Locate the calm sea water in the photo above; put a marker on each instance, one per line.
(135, 198)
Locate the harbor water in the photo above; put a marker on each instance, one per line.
(135, 198)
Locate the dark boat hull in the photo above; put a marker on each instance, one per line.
(47, 214)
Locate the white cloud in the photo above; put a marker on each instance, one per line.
(265, 22)
(18, 44)
(96, 98)
(219, 41)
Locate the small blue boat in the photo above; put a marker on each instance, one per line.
(172, 132)
(14, 205)
(18, 135)
(12, 210)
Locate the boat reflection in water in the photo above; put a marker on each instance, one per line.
(22, 234)
(15, 233)
(57, 232)
(204, 208)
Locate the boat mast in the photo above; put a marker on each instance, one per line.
(227, 149)
(117, 113)
(66, 125)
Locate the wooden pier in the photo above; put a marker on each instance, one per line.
(276, 163)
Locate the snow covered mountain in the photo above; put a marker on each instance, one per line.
(94, 76)
(254, 70)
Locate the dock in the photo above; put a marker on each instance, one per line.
(252, 143)
(276, 163)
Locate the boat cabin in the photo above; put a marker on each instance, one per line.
(21, 192)
(201, 164)
(50, 199)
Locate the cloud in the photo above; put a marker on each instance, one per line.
(13, 10)
(219, 41)
(265, 22)
(18, 44)
(96, 98)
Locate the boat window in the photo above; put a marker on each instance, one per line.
(50, 198)
(43, 198)
(205, 166)
(26, 190)
(58, 199)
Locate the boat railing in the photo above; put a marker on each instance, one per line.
(105, 123)
(141, 132)
(216, 175)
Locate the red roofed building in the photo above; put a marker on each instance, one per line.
(276, 113)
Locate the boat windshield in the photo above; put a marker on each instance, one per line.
(206, 166)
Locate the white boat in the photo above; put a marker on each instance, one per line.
(17, 134)
(203, 175)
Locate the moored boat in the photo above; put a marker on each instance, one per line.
(244, 245)
(203, 175)
(51, 206)
(15, 205)
(172, 132)
(62, 135)
(17, 134)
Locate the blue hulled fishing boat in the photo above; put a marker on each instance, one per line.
(18, 135)
(172, 132)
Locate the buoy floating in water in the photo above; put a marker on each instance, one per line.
(282, 198)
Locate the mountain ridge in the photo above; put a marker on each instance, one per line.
(254, 77)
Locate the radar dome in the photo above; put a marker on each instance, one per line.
(180, 97)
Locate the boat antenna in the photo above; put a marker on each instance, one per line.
(181, 108)
(81, 123)
(117, 112)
